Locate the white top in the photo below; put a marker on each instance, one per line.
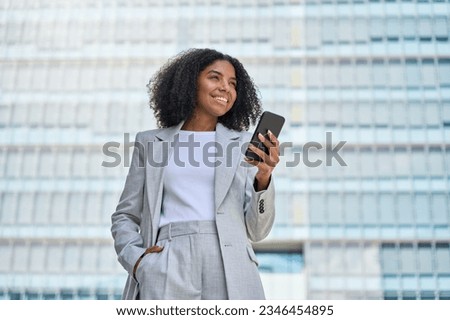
(188, 184)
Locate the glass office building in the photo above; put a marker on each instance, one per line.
(363, 188)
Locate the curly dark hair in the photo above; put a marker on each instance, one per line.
(173, 90)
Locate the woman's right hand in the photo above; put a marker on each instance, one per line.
(149, 250)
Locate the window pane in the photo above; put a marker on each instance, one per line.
(316, 208)
(13, 163)
(20, 260)
(369, 208)
(377, 28)
(37, 258)
(59, 208)
(381, 113)
(335, 259)
(393, 27)
(416, 114)
(363, 74)
(436, 162)
(334, 208)
(444, 72)
(42, 208)
(8, 207)
(425, 257)
(6, 252)
(89, 259)
(63, 163)
(360, 30)
(387, 215)
(353, 261)
(409, 27)
(46, 163)
(441, 30)
(328, 30)
(404, 209)
(30, 159)
(407, 259)
(344, 30)
(75, 210)
(429, 74)
(396, 72)
(439, 208)
(442, 258)
(317, 254)
(422, 208)
(54, 258)
(25, 210)
(419, 162)
(425, 28)
(351, 208)
(412, 73)
(71, 258)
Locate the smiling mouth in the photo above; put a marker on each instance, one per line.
(222, 100)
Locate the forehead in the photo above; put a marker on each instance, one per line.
(222, 66)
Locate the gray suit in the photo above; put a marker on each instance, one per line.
(241, 213)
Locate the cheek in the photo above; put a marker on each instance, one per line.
(234, 98)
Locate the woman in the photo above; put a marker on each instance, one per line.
(190, 203)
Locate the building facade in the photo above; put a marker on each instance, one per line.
(363, 206)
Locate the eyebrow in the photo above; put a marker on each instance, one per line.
(219, 73)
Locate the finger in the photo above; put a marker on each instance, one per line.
(262, 167)
(270, 159)
(260, 153)
(274, 152)
(155, 249)
(273, 139)
(273, 157)
(267, 162)
(252, 162)
(264, 140)
(270, 144)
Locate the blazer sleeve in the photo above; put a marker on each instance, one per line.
(126, 220)
(259, 207)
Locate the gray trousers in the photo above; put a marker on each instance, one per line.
(190, 266)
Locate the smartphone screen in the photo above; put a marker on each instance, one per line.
(268, 121)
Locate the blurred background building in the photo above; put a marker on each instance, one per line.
(373, 73)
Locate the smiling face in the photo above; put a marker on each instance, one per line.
(216, 91)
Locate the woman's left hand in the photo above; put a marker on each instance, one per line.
(269, 161)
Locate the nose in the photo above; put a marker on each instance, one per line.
(224, 86)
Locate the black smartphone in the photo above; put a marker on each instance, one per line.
(268, 121)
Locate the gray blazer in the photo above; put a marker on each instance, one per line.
(242, 214)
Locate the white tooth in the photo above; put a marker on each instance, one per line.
(221, 99)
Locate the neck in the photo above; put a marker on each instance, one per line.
(194, 124)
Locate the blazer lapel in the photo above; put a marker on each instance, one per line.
(158, 152)
(224, 173)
